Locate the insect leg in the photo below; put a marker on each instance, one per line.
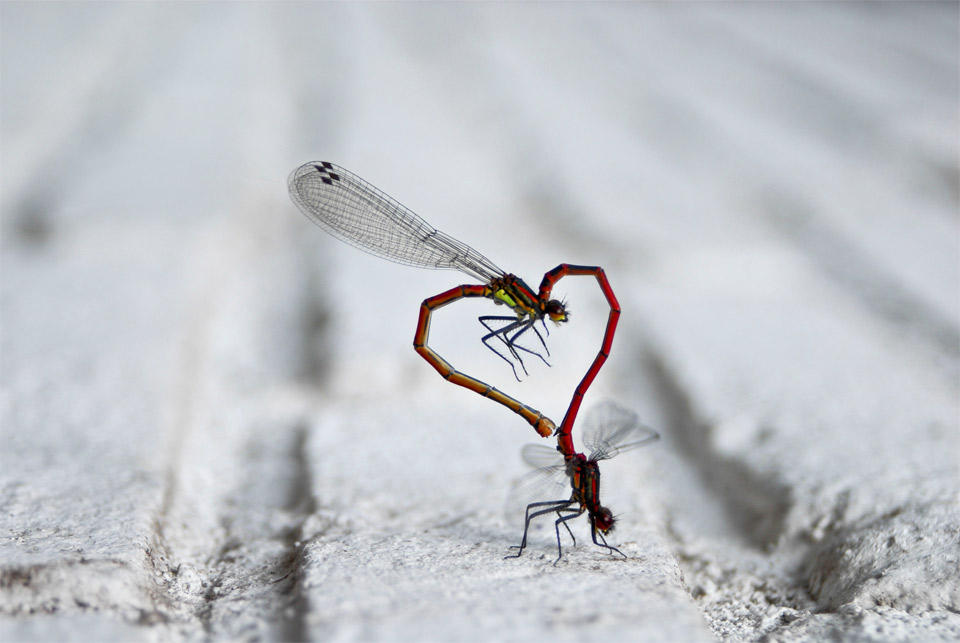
(609, 548)
(500, 333)
(552, 506)
(527, 326)
(573, 514)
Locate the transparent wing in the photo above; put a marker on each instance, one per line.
(356, 212)
(540, 456)
(613, 429)
(545, 483)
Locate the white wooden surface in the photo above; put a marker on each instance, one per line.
(214, 426)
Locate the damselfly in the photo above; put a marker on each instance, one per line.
(611, 429)
(356, 212)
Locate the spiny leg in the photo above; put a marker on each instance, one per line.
(610, 548)
(512, 342)
(546, 329)
(540, 337)
(554, 505)
(573, 514)
(572, 537)
(500, 334)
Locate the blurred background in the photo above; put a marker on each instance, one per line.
(190, 367)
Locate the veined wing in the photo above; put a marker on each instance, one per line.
(540, 456)
(613, 429)
(356, 212)
(549, 481)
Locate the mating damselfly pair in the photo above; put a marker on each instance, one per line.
(360, 214)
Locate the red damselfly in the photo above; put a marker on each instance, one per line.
(358, 213)
(611, 429)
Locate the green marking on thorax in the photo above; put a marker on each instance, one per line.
(505, 297)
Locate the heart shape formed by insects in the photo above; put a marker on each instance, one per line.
(543, 425)
(357, 213)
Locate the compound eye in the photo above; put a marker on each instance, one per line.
(556, 310)
(604, 520)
